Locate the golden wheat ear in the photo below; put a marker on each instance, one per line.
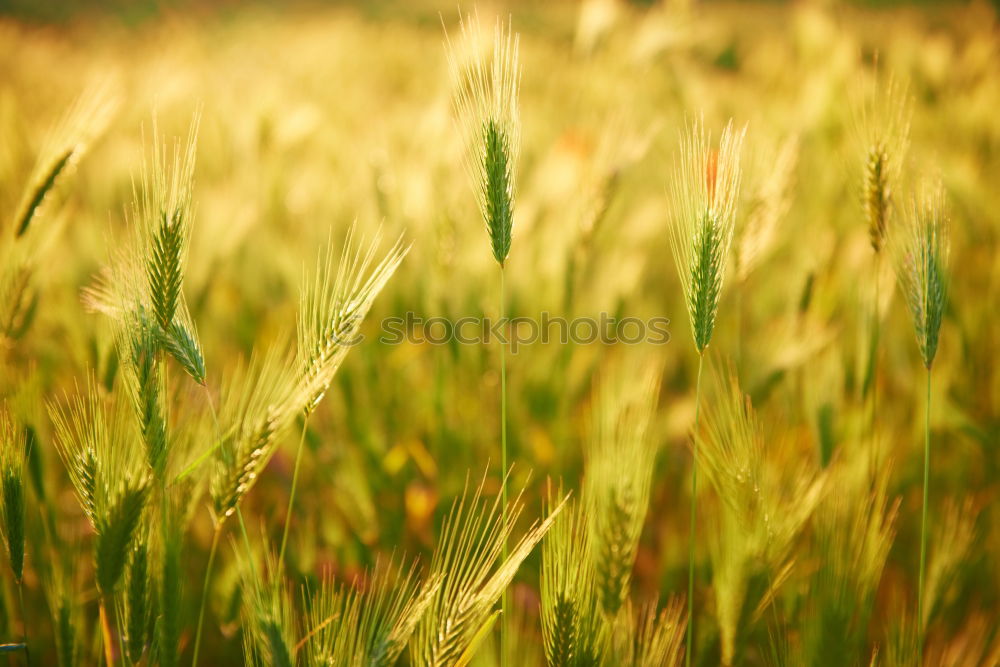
(952, 542)
(883, 128)
(334, 304)
(473, 576)
(260, 401)
(368, 622)
(854, 529)
(767, 197)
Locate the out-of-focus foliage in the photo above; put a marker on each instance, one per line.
(314, 117)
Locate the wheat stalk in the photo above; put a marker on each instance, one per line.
(884, 136)
(920, 253)
(486, 107)
(332, 308)
(704, 194)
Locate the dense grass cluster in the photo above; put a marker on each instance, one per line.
(209, 456)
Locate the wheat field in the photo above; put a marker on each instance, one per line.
(567, 333)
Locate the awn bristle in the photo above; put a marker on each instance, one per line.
(770, 195)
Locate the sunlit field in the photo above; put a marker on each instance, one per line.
(563, 333)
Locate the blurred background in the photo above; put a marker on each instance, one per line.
(315, 115)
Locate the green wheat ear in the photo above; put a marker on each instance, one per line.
(138, 342)
(116, 529)
(473, 576)
(572, 627)
(12, 512)
(498, 189)
(704, 195)
(920, 250)
(367, 623)
(486, 107)
(620, 455)
(260, 401)
(137, 598)
(84, 122)
(144, 286)
(333, 306)
(646, 637)
(97, 439)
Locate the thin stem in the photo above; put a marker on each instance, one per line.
(291, 497)
(505, 602)
(24, 622)
(873, 455)
(923, 520)
(246, 541)
(204, 592)
(215, 537)
(109, 650)
(694, 496)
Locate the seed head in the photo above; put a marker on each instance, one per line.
(485, 102)
(884, 129)
(920, 250)
(704, 193)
